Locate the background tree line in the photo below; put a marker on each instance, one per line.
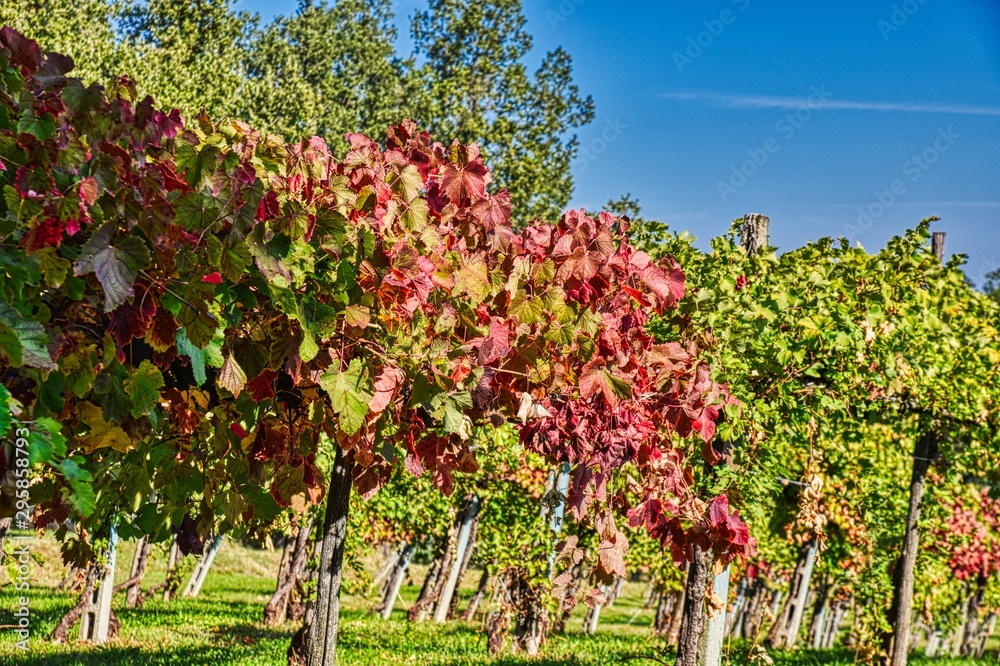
(331, 68)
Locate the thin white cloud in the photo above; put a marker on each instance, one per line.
(736, 101)
(964, 204)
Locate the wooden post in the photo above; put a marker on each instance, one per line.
(937, 245)
(616, 590)
(396, 582)
(716, 633)
(97, 616)
(322, 634)
(734, 619)
(593, 617)
(432, 583)
(833, 624)
(562, 485)
(200, 572)
(753, 612)
(933, 643)
(924, 451)
(676, 619)
(787, 636)
(291, 572)
(819, 618)
(139, 563)
(173, 559)
(754, 234)
(444, 602)
(753, 237)
(970, 634)
(560, 481)
(985, 631)
(477, 599)
(388, 565)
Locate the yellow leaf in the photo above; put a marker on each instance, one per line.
(232, 377)
(102, 433)
(198, 397)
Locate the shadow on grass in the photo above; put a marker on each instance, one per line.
(244, 632)
(811, 657)
(115, 656)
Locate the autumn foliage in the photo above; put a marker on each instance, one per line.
(204, 308)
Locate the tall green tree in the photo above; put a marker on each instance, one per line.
(992, 285)
(332, 68)
(327, 70)
(189, 54)
(82, 29)
(476, 87)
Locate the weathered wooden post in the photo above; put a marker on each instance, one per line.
(173, 560)
(321, 648)
(753, 238)
(925, 450)
(200, 572)
(395, 582)
(786, 634)
(139, 563)
(716, 632)
(937, 245)
(444, 602)
(559, 481)
(97, 616)
(819, 617)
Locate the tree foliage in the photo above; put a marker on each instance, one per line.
(471, 65)
(207, 310)
(332, 68)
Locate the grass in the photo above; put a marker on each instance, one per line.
(223, 626)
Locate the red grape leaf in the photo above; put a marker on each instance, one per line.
(262, 386)
(386, 385)
(668, 287)
(596, 378)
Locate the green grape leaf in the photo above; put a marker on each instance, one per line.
(526, 309)
(30, 337)
(42, 128)
(196, 355)
(350, 392)
(5, 415)
(196, 211)
(143, 388)
(80, 482)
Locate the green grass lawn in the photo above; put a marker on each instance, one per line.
(223, 626)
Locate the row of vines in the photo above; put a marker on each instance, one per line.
(210, 332)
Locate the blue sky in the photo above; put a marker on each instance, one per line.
(852, 119)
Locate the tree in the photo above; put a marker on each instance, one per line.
(992, 285)
(331, 69)
(188, 54)
(82, 29)
(327, 70)
(171, 48)
(475, 87)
